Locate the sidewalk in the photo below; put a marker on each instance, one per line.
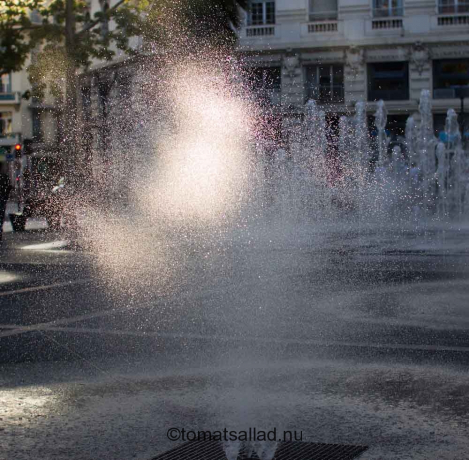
(31, 224)
(36, 233)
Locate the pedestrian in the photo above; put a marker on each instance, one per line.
(5, 189)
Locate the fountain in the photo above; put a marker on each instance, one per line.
(420, 177)
(381, 116)
(216, 201)
(454, 167)
(426, 152)
(428, 179)
(361, 147)
(442, 179)
(410, 139)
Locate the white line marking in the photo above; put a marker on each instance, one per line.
(44, 326)
(169, 335)
(47, 246)
(74, 319)
(45, 287)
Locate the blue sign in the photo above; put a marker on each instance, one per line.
(10, 157)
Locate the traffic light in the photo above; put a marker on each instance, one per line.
(18, 148)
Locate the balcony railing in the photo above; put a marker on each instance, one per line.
(9, 139)
(459, 20)
(260, 31)
(323, 27)
(323, 16)
(382, 24)
(10, 98)
(388, 12)
(453, 8)
(326, 94)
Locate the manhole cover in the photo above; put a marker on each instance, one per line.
(213, 450)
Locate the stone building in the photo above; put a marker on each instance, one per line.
(36, 123)
(26, 121)
(112, 112)
(339, 52)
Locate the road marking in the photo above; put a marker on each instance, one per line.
(45, 287)
(64, 321)
(58, 322)
(322, 343)
(52, 245)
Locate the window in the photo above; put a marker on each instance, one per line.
(395, 127)
(5, 83)
(387, 8)
(439, 122)
(448, 73)
(325, 83)
(322, 10)
(388, 81)
(6, 123)
(265, 82)
(453, 6)
(261, 13)
(37, 125)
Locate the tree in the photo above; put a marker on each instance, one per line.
(15, 25)
(172, 23)
(68, 38)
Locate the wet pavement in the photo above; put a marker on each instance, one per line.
(362, 342)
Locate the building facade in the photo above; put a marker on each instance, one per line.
(35, 123)
(23, 118)
(26, 122)
(339, 52)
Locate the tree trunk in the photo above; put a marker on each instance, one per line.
(69, 116)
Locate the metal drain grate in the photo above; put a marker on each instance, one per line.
(213, 450)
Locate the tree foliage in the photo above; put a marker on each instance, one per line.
(161, 23)
(15, 28)
(169, 23)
